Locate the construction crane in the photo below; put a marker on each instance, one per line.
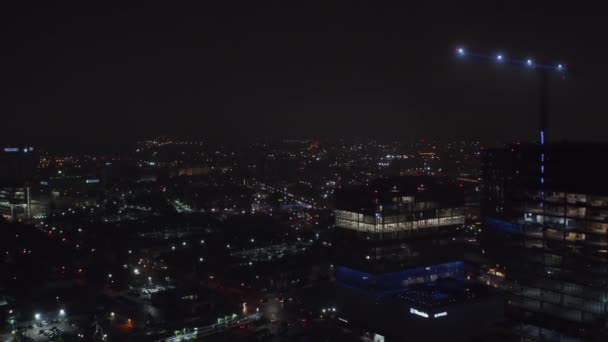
(544, 70)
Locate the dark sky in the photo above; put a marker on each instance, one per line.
(93, 75)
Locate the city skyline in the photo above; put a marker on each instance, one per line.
(278, 171)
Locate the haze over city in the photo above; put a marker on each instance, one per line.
(280, 171)
(107, 74)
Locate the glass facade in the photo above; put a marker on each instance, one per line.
(397, 281)
(552, 243)
(404, 222)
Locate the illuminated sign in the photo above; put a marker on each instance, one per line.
(11, 149)
(426, 315)
(378, 338)
(342, 320)
(419, 313)
(44, 183)
(92, 181)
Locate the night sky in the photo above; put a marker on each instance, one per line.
(94, 75)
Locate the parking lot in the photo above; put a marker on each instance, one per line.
(38, 331)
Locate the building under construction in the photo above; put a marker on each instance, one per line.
(399, 207)
(397, 232)
(546, 226)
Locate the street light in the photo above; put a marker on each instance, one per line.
(37, 316)
(61, 312)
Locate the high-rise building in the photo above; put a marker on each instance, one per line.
(397, 232)
(400, 251)
(545, 212)
(17, 166)
(399, 207)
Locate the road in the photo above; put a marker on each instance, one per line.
(215, 328)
